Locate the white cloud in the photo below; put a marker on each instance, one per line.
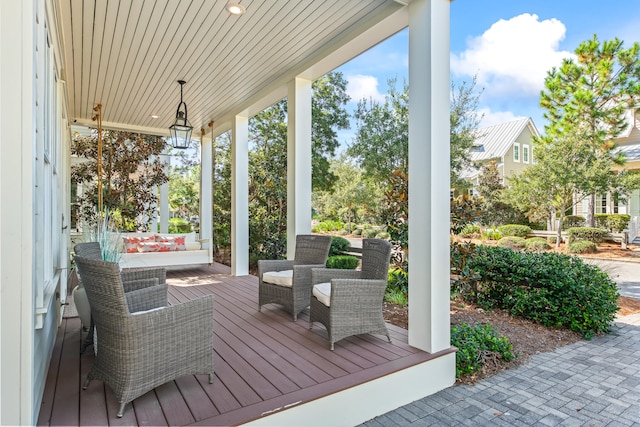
(361, 86)
(513, 56)
(490, 118)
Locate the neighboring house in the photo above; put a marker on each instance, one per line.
(509, 144)
(629, 144)
(61, 58)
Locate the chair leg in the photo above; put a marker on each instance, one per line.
(85, 385)
(121, 410)
(211, 378)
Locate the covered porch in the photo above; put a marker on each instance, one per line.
(264, 363)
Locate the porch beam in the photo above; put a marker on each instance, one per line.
(429, 175)
(240, 196)
(298, 161)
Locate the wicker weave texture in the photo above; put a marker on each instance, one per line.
(138, 352)
(356, 296)
(311, 252)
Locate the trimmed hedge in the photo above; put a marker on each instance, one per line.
(582, 247)
(595, 235)
(538, 244)
(571, 221)
(342, 261)
(513, 242)
(515, 230)
(554, 289)
(338, 245)
(615, 223)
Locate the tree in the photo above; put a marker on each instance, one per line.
(587, 98)
(131, 173)
(494, 210)
(184, 191)
(464, 122)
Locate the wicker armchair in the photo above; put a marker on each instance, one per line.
(140, 351)
(131, 281)
(288, 282)
(349, 302)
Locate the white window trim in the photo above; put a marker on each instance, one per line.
(516, 153)
(525, 149)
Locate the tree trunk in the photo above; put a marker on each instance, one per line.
(591, 212)
(559, 234)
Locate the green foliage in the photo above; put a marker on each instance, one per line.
(184, 191)
(570, 221)
(396, 296)
(369, 233)
(615, 223)
(466, 279)
(398, 280)
(463, 124)
(513, 242)
(494, 209)
(582, 247)
(470, 230)
(491, 234)
(179, 225)
(595, 235)
(338, 245)
(395, 208)
(514, 230)
(552, 239)
(464, 210)
(537, 244)
(327, 226)
(357, 231)
(382, 235)
(475, 344)
(343, 261)
(553, 289)
(131, 172)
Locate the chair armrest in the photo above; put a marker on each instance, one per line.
(367, 294)
(302, 273)
(181, 329)
(322, 275)
(147, 298)
(265, 265)
(147, 273)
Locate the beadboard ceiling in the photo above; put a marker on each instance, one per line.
(129, 54)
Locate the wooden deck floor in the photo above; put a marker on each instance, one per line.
(263, 362)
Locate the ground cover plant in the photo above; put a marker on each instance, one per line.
(553, 289)
(476, 345)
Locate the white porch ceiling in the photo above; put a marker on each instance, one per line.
(128, 54)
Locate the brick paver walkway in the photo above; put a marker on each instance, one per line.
(588, 383)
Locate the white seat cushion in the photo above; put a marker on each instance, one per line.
(282, 278)
(322, 291)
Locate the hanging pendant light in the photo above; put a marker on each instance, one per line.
(181, 129)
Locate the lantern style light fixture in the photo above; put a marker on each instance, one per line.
(181, 129)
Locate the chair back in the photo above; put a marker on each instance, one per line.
(88, 250)
(311, 249)
(104, 288)
(376, 254)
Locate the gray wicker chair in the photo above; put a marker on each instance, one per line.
(311, 251)
(131, 280)
(355, 299)
(140, 351)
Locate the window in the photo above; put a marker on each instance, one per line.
(525, 154)
(516, 152)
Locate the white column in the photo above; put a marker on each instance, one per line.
(298, 162)
(164, 199)
(206, 191)
(18, 400)
(429, 167)
(240, 197)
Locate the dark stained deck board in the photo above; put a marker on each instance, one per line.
(262, 362)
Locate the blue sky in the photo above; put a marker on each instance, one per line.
(509, 44)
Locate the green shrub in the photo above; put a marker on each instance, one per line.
(582, 247)
(327, 226)
(382, 235)
(554, 289)
(339, 245)
(513, 242)
(515, 230)
(342, 261)
(536, 244)
(396, 296)
(397, 279)
(357, 231)
(552, 239)
(475, 343)
(466, 280)
(179, 225)
(369, 233)
(470, 230)
(595, 235)
(349, 227)
(571, 221)
(615, 223)
(491, 234)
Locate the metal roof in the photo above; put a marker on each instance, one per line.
(494, 141)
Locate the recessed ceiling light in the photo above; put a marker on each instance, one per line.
(235, 8)
(154, 116)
